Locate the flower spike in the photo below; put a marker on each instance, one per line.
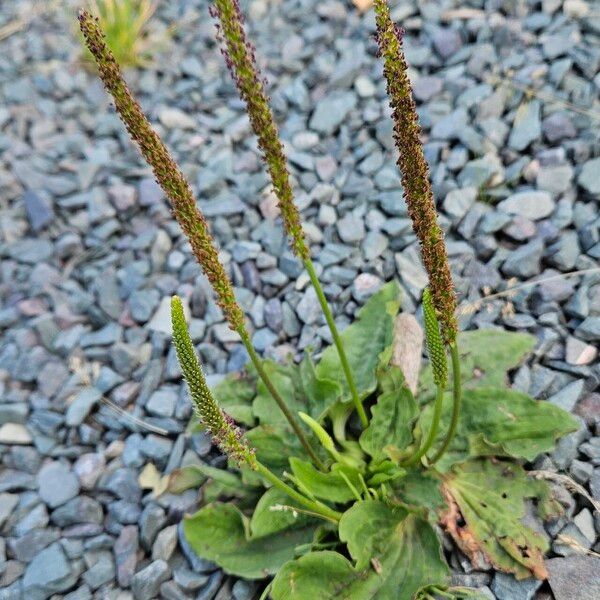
(239, 55)
(167, 173)
(415, 173)
(220, 425)
(435, 344)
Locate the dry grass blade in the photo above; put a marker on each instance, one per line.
(544, 96)
(472, 307)
(568, 483)
(85, 372)
(573, 543)
(135, 420)
(21, 23)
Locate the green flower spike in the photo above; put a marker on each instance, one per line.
(439, 366)
(435, 344)
(415, 173)
(221, 427)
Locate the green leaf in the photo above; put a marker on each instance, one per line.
(268, 517)
(235, 394)
(319, 394)
(367, 343)
(286, 380)
(500, 422)
(392, 422)
(396, 554)
(327, 486)
(486, 356)
(224, 484)
(222, 534)
(273, 446)
(486, 505)
(420, 489)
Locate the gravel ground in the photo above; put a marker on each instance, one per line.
(90, 255)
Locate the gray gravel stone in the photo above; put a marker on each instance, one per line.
(527, 126)
(125, 550)
(48, 573)
(146, 583)
(578, 573)
(458, 202)
(331, 111)
(506, 587)
(57, 484)
(81, 406)
(524, 262)
(588, 177)
(39, 209)
(31, 251)
(162, 403)
(534, 205)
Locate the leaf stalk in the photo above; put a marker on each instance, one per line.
(457, 401)
(315, 506)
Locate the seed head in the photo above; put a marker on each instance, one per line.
(415, 173)
(167, 173)
(220, 425)
(240, 58)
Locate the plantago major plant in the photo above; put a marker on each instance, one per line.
(321, 505)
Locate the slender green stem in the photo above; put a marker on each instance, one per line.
(337, 340)
(457, 400)
(256, 361)
(435, 423)
(313, 505)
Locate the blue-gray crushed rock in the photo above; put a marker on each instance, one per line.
(90, 256)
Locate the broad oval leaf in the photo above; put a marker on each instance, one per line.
(392, 421)
(272, 514)
(396, 553)
(273, 446)
(367, 342)
(319, 394)
(499, 422)
(420, 489)
(486, 356)
(222, 534)
(327, 486)
(486, 505)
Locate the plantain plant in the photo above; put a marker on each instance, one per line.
(339, 479)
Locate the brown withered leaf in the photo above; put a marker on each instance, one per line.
(484, 513)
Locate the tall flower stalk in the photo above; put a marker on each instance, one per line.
(240, 59)
(220, 425)
(177, 189)
(418, 194)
